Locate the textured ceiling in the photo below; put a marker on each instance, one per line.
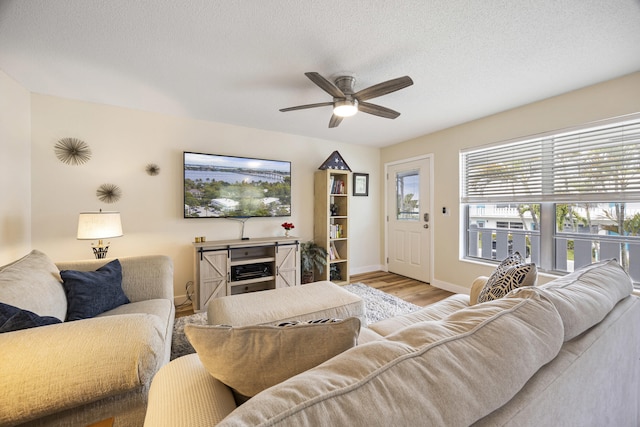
(239, 62)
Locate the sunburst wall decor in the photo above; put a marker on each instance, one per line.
(72, 151)
(152, 169)
(109, 193)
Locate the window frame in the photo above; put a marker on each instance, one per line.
(546, 196)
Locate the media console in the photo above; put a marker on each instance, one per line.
(229, 267)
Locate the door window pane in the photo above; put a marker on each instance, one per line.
(408, 195)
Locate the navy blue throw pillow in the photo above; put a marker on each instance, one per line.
(90, 293)
(14, 319)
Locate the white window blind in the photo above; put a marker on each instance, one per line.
(595, 163)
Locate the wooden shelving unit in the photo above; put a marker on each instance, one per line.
(331, 222)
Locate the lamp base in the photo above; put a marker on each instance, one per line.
(100, 252)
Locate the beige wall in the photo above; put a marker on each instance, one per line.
(124, 141)
(609, 99)
(15, 170)
(42, 196)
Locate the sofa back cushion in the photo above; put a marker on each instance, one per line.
(425, 374)
(33, 283)
(436, 311)
(144, 277)
(584, 297)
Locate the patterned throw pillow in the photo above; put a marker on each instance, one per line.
(290, 323)
(512, 273)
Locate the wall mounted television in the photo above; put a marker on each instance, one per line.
(217, 186)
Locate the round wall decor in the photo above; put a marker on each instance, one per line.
(152, 169)
(109, 193)
(72, 151)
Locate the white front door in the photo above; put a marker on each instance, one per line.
(409, 218)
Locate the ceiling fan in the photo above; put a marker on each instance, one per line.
(346, 102)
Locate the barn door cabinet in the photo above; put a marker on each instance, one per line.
(230, 267)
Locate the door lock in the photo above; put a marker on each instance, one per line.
(426, 226)
(426, 217)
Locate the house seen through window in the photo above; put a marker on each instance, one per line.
(563, 199)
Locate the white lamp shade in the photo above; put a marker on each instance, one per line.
(99, 225)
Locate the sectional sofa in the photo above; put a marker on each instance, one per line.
(74, 373)
(566, 353)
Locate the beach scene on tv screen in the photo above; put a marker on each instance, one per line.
(225, 186)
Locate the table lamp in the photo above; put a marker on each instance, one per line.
(99, 225)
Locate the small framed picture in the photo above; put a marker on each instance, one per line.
(360, 184)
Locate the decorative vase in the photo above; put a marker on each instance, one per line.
(286, 233)
(307, 277)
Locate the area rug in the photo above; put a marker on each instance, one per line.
(379, 306)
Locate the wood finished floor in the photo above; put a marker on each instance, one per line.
(413, 291)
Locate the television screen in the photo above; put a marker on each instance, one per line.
(218, 186)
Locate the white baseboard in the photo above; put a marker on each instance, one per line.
(456, 289)
(179, 299)
(366, 269)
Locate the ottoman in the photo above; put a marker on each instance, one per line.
(305, 302)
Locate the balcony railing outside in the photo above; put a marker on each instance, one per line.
(572, 250)
(499, 243)
(590, 248)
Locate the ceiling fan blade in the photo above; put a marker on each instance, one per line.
(335, 121)
(383, 88)
(325, 85)
(304, 107)
(378, 110)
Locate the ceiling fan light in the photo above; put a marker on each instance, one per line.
(345, 108)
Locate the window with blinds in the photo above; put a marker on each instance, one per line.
(595, 163)
(561, 199)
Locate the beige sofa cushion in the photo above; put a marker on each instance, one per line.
(584, 297)
(425, 374)
(143, 277)
(435, 311)
(593, 381)
(33, 283)
(250, 359)
(76, 363)
(183, 393)
(476, 286)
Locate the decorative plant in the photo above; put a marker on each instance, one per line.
(313, 257)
